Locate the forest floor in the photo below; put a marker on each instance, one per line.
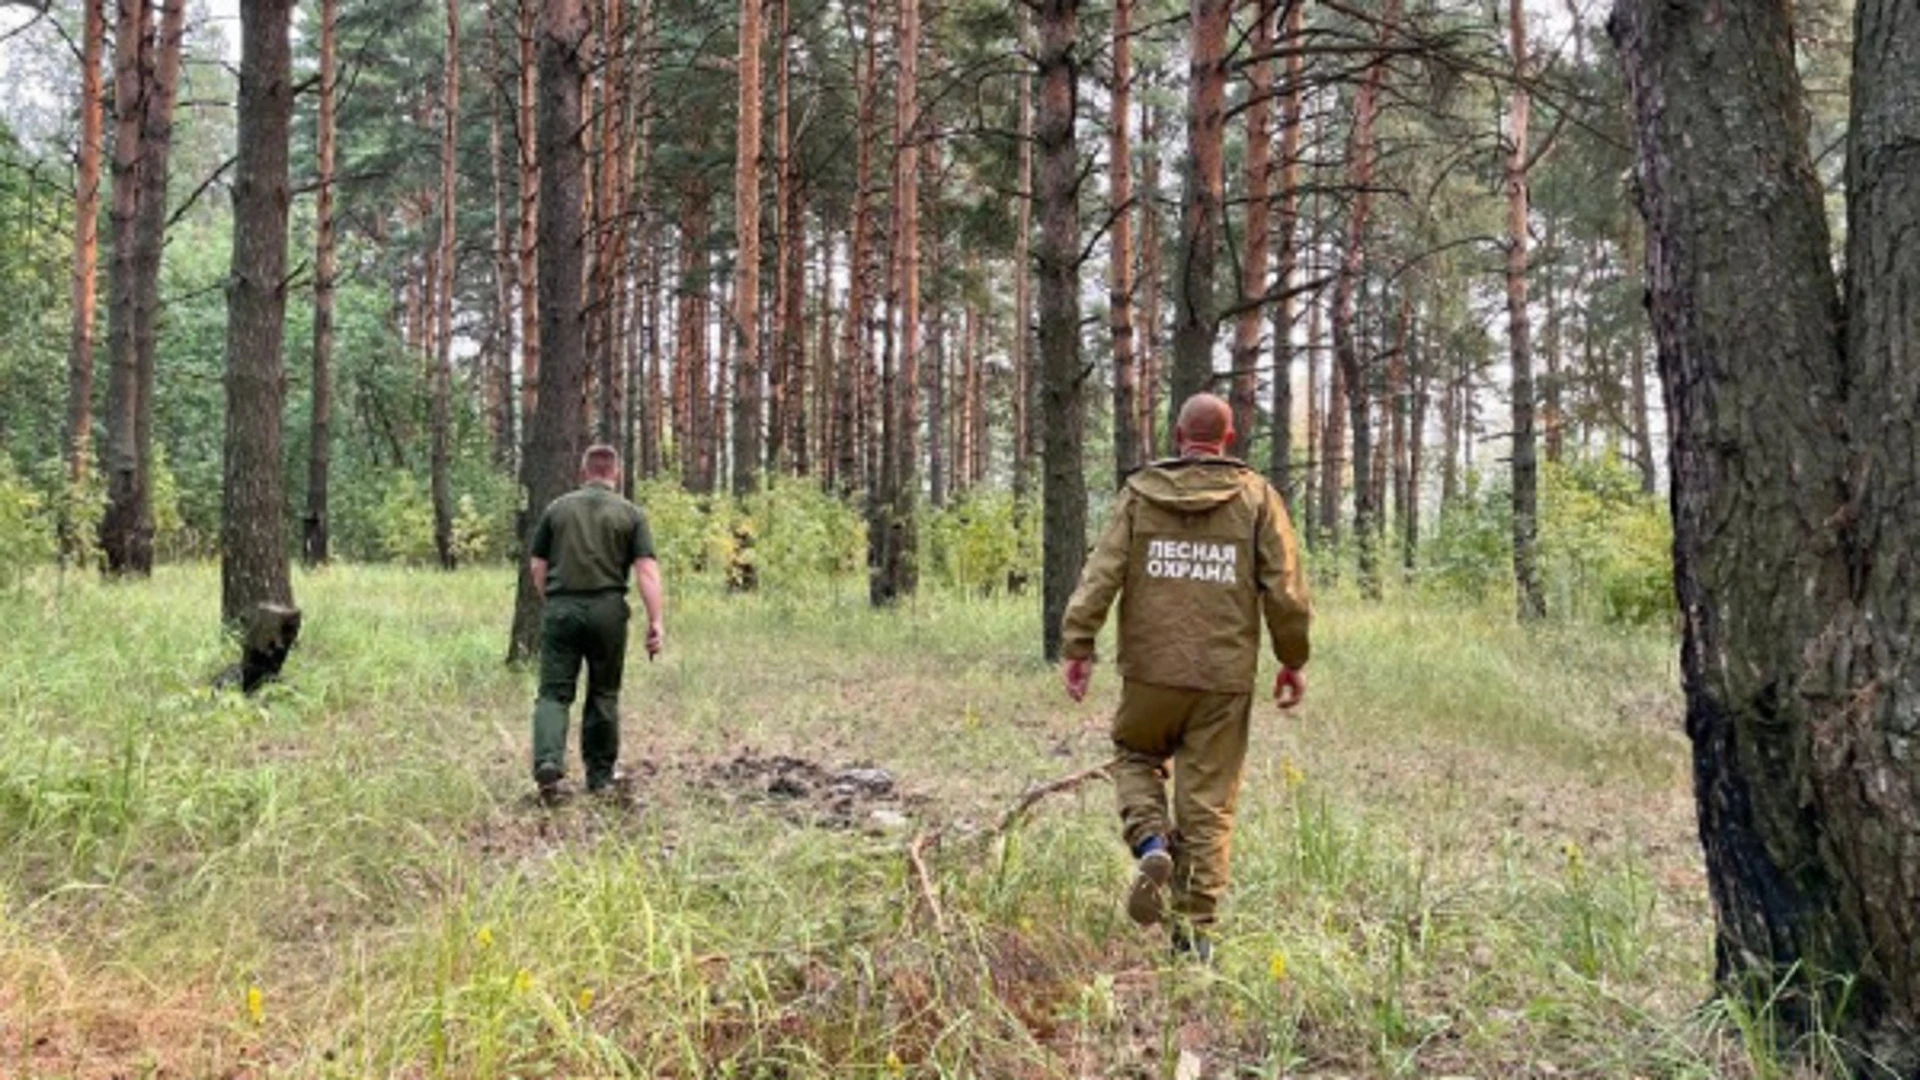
(1470, 853)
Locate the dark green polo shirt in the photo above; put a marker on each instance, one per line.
(590, 537)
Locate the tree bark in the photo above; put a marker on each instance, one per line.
(856, 361)
(529, 142)
(441, 418)
(499, 368)
(1127, 453)
(1354, 379)
(1792, 466)
(1065, 512)
(746, 267)
(1244, 394)
(1020, 347)
(253, 562)
(1287, 259)
(86, 252)
(315, 544)
(1147, 332)
(1529, 597)
(146, 73)
(898, 570)
(1196, 308)
(556, 435)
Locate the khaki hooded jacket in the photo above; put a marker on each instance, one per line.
(1199, 551)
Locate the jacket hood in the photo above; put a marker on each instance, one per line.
(1189, 485)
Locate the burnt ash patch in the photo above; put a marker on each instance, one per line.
(859, 796)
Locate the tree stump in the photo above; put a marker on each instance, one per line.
(267, 636)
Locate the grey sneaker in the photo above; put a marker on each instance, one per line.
(1147, 897)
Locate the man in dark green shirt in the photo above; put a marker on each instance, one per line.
(582, 549)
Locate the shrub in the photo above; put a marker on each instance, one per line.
(976, 544)
(26, 528)
(791, 533)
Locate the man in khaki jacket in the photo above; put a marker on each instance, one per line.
(1199, 550)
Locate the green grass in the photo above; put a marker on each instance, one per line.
(1470, 853)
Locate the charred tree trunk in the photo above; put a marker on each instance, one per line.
(1062, 388)
(746, 268)
(556, 434)
(1530, 599)
(253, 554)
(86, 258)
(1245, 387)
(1127, 453)
(1196, 308)
(320, 434)
(441, 420)
(1792, 492)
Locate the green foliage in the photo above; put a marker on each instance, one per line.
(404, 520)
(1605, 548)
(686, 538)
(977, 546)
(798, 535)
(26, 528)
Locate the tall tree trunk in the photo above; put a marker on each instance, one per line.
(499, 369)
(556, 435)
(86, 256)
(1127, 453)
(898, 570)
(856, 360)
(441, 421)
(320, 433)
(253, 555)
(1196, 308)
(746, 267)
(1245, 386)
(146, 72)
(1021, 354)
(787, 428)
(1354, 380)
(1147, 337)
(1287, 259)
(609, 208)
(1062, 388)
(1316, 441)
(1530, 599)
(529, 143)
(1399, 418)
(1416, 443)
(1553, 418)
(1792, 477)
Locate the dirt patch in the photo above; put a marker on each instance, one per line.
(859, 796)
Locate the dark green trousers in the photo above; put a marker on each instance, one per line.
(577, 628)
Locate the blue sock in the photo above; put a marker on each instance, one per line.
(1148, 846)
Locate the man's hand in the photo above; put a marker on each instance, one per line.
(656, 638)
(1077, 674)
(1289, 687)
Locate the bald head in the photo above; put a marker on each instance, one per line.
(1205, 425)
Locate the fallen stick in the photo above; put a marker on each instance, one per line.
(916, 859)
(1034, 794)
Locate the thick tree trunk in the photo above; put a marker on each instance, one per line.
(1355, 376)
(1062, 386)
(1196, 308)
(315, 542)
(1530, 599)
(146, 72)
(556, 434)
(86, 256)
(441, 420)
(746, 267)
(1792, 479)
(253, 555)
(1245, 386)
(1127, 452)
(898, 573)
(1286, 261)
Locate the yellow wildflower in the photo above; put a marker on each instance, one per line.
(1277, 966)
(256, 1005)
(522, 981)
(484, 939)
(1291, 774)
(895, 1067)
(585, 998)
